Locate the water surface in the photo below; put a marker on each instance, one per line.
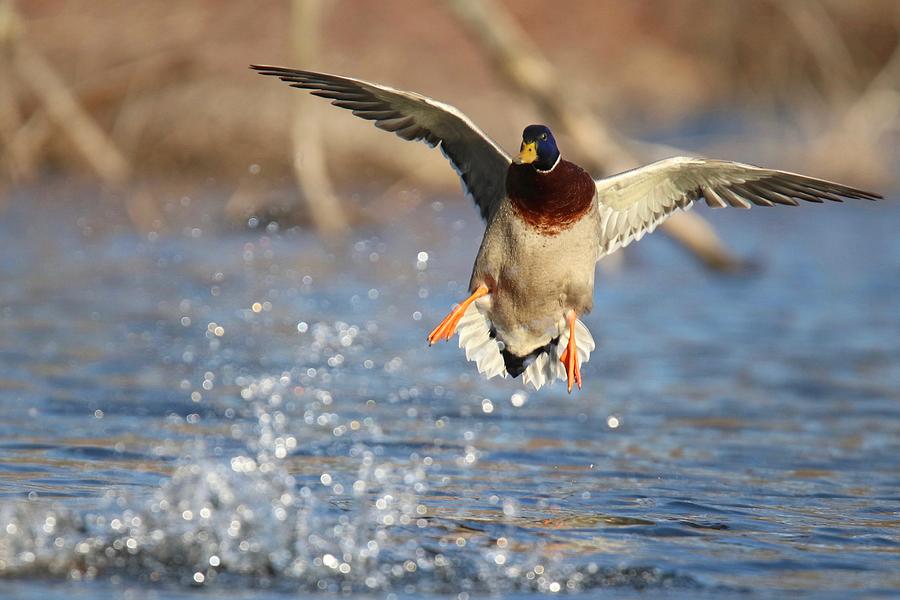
(248, 413)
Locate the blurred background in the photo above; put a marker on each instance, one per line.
(215, 292)
(148, 93)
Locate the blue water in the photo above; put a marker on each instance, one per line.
(250, 413)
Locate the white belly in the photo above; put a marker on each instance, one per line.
(535, 279)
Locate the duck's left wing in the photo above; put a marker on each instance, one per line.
(633, 203)
(478, 161)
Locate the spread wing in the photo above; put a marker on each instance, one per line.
(633, 203)
(478, 161)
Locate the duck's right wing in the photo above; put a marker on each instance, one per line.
(478, 161)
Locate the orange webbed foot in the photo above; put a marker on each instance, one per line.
(447, 327)
(569, 357)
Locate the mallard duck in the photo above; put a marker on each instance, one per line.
(548, 223)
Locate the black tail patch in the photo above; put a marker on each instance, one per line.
(516, 365)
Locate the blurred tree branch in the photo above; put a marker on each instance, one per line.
(63, 108)
(601, 149)
(66, 112)
(18, 166)
(863, 122)
(324, 207)
(816, 27)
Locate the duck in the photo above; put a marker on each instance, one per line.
(548, 222)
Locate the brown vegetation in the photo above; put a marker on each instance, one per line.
(167, 86)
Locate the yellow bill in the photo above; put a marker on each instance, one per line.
(528, 152)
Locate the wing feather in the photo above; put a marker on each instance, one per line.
(712, 198)
(479, 162)
(635, 202)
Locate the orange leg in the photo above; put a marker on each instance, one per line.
(569, 357)
(447, 327)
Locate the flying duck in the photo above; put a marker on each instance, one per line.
(548, 222)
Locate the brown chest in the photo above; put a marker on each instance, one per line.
(553, 201)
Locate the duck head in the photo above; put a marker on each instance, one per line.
(538, 148)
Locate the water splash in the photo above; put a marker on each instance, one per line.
(275, 514)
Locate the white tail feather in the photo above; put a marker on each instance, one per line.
(475, 337)
(547, 367)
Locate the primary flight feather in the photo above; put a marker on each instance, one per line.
(548, 222)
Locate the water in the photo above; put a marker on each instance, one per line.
(245, 413)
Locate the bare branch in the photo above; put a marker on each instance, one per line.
(324, 207)
(602, 150)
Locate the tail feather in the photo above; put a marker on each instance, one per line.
(482, 348)
(542, 371)
(475, 337)
(553, 368)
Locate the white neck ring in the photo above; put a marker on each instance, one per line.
(558, 158)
